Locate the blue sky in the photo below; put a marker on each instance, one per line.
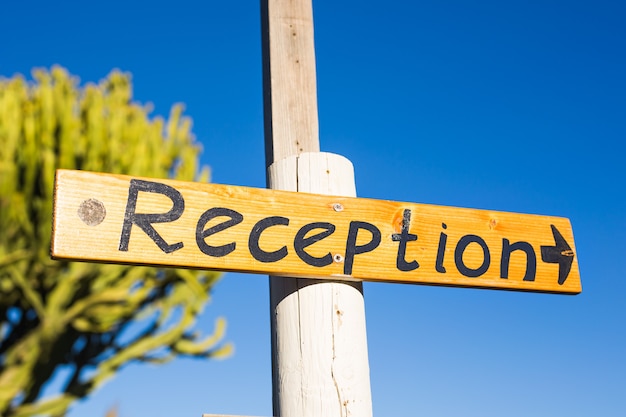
(504, 105)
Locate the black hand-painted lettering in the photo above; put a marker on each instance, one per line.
(458, 256)
(531, 259)
(403, 237)
(145, 220)
(441, 251)
(561, 253)
(301, 242)
(353, 249)
(202, 234)
(253, 242)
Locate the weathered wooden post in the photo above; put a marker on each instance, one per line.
(319, 347)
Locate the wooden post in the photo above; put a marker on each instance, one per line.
(319, 347)
(319, 344)
(289, 83)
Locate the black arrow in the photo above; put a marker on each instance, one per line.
(560, 254)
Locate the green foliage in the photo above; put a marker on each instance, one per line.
(90, 318)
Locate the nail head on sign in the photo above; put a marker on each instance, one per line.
(92, 212)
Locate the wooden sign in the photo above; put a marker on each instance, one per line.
(120, 219)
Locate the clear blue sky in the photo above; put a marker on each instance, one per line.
(504, 105)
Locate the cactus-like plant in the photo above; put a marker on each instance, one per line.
(92, 318)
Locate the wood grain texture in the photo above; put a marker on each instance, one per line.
(463, 228)
(289, 79)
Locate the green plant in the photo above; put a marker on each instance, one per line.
(92, 318)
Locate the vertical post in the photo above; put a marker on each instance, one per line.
(319, 347)
(289, 82)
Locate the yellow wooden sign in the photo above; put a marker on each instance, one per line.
(121, 219)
